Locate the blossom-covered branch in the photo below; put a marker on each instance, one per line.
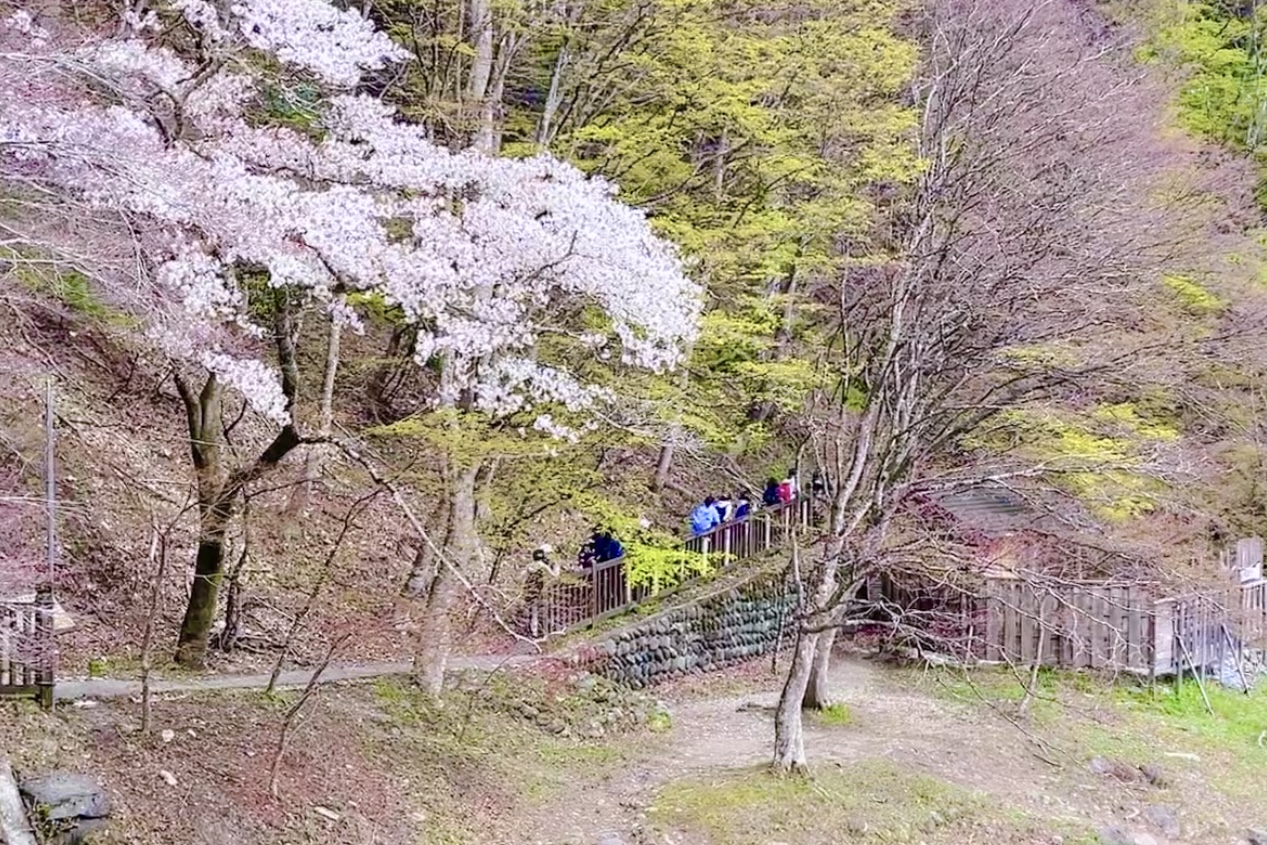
(161, 127)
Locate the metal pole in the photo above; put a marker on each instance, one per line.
(50, 481)
(44, 603)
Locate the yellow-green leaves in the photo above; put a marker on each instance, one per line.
(1098, 456)
(1192, 296)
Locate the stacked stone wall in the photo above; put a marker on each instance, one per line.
(729, 627)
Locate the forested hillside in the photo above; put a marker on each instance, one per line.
(345, 309)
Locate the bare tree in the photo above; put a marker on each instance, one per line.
(1024, 253)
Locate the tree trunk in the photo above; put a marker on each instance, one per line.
(482, 64)
(219, 488)
(817, 690)
(200, 613)
(425, 563)
(554, 97)
(488, 137)
(789, 730)
(460, 548)
(203, 411)
(302, 499)
(665, 464)
(233, 599)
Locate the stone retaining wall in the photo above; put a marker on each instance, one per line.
(719, 630)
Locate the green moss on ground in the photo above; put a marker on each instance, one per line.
(837, 715)
(872, 801)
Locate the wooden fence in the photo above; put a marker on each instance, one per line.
(1070, 625)
(583, 598)
(28, 651)
(1029, 619)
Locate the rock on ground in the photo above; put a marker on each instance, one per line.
(1164, 818)
(62, 795)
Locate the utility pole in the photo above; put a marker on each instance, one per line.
(50, 479)
(45, 607)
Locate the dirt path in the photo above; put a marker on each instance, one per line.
(729, 732)
(69, 690)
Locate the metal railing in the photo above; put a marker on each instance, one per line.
(28, 652)
(576, 599)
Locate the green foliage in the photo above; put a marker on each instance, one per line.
(1096, 457)
(750, 132)
(1224, 97)
(861, 803)
(1128, 417)
(653, 558)
(1195, 298)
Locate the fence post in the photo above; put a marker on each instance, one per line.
(46, 650)
(593, 592)
(725, 541)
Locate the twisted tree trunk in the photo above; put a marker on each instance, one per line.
(789, 728)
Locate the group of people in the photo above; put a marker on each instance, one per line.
(714, 512)
(711, 513)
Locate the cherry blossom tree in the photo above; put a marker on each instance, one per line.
(217, 170)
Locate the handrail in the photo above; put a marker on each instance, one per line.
(605, 591)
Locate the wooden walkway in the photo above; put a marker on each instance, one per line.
(578, 599)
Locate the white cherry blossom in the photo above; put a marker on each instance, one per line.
(484, 254)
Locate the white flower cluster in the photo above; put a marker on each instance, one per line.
(335, 44)
(486, 253)
(23, 23)
(255, 380)
(559, 431)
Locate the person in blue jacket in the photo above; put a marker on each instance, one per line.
(601, 546)
(704, 517)
(770, 496)
(607, 547)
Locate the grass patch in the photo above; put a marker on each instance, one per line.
(833, 715)
(1228, 737)
(501, 743)
(1000, 687)
(873, 801)
(1215, 755)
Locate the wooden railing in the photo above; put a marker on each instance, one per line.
(28, 651)
(576, 599)
(1028, 620)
